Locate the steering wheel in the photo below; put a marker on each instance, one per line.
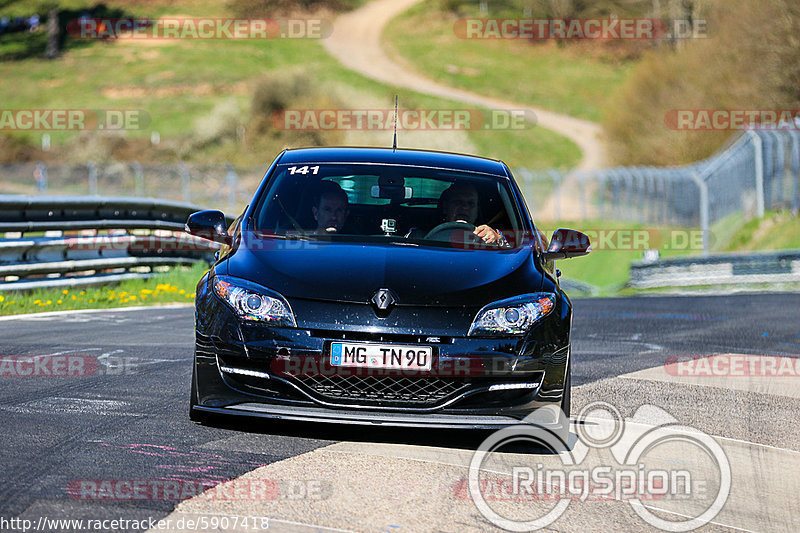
(443, 231)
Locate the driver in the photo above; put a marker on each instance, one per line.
(459, 203)
(330, 208)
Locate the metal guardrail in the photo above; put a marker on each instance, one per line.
(723, 269)
(69, 241)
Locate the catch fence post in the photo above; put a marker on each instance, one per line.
(703, 187)
(556, 176)
(796, 170)
(138, 178)
(92, 178)
(40, 175)
(231, 180)
(582, 185)
(758, 149)
(186, 183)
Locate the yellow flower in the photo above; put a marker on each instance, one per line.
(65, 291)
(58, 302)
(132, 297)
(49, 302)
(82, 293)
(2, 298)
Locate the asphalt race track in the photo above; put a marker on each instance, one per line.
(123, 419)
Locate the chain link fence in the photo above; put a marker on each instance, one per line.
(756, 171)
(220, 186)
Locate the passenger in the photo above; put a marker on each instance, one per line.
(331, 208)
(459, 203)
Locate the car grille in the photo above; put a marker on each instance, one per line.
(384, 390)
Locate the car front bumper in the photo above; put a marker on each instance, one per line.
(284, 373)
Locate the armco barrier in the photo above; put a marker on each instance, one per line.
(722, 269)
(60, 241)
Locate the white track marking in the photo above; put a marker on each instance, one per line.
(708, 375)
(50, 314)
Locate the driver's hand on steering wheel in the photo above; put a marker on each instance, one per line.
(488, 235)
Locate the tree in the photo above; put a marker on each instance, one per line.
(51, 51)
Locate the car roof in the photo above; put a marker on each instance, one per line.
(400, 156)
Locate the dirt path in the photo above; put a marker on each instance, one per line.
(356, 43)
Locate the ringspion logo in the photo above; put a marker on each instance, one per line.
(613, 459)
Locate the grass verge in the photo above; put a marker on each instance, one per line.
(615, 245)
(176, 286)
(778, 230)
(565, 79)
(186, 88)
(607, 268)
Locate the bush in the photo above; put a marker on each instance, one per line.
(749, 61)
(293, 90)
(17, 148)
(552, 8)
(219, 125)
(269, 8)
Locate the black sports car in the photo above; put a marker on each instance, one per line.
(381, 286)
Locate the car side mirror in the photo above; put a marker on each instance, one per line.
(209, 225)
(567, 243)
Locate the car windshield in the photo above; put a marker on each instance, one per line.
(387, 203)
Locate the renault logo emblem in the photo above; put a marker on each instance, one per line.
(384, 299)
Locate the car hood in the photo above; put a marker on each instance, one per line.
(348, 272)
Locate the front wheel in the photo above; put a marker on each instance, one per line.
(195, 415)
(566, 404)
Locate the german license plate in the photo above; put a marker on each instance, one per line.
(391, 356)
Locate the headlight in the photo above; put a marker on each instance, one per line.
(252, 302)
(513, 316)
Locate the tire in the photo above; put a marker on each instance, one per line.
(566, 404)
(194, 414)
